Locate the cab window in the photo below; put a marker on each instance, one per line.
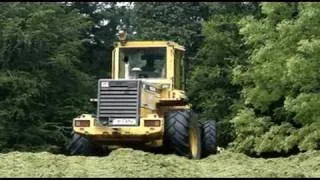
(142, 62)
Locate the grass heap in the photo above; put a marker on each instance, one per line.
(133, 163)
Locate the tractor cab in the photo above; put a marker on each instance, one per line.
(152, 61)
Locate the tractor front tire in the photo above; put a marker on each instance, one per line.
(182, 134)
(209, 138)
(80, 145)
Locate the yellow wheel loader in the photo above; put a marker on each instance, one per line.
(144, 103)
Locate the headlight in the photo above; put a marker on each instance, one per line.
(81, 123)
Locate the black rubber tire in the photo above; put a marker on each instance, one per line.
(209, 138)
(80, 145)
(177, 135)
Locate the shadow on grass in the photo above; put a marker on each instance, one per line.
(62, 150)
(274, 154)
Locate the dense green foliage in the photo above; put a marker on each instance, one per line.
(107, 19)
(252, 67)
(176, 21)
(281, 81)
(41, 82)
(50, 56)
(210, 89)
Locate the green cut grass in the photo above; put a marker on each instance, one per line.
(127, 162)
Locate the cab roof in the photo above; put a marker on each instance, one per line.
(149, 44)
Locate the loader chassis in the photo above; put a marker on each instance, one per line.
(141, 106)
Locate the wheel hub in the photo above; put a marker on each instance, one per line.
(194, 142)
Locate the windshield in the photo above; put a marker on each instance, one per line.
(142, 62)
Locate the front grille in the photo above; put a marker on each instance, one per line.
(118, 99)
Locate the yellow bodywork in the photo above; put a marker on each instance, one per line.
(115, 134)
(153, 104)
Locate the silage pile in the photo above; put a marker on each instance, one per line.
(133, 163)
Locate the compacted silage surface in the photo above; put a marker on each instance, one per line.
(133, 163)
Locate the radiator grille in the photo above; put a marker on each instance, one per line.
(118, 99)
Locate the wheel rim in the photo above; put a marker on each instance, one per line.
(194, 143)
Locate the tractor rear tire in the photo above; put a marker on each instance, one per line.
(209, 138)
(182, 134)
(80, 145)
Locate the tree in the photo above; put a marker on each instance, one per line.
(210, 88)
(281, 82)
(41, 83)
(107, 19)
(179, 22)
